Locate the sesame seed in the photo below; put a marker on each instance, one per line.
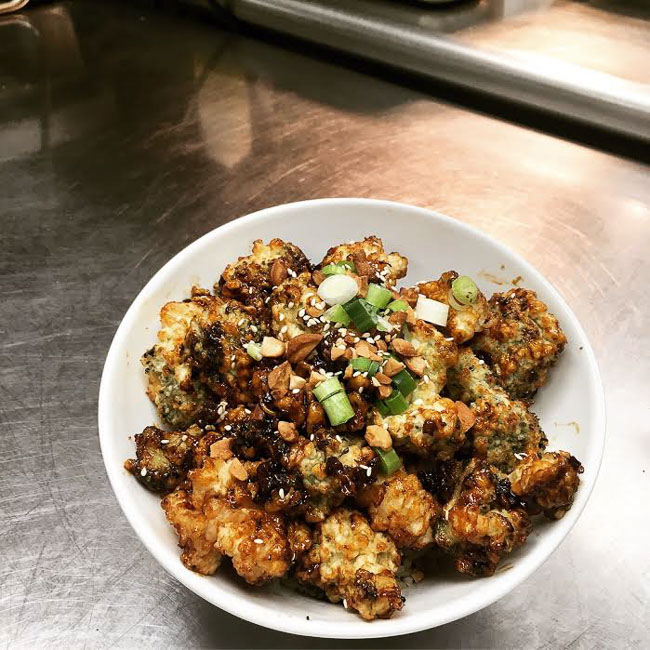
(418, 402)
(247, 411)
(329, 373)
(143, 471)
(321, 305)
(363, 466)
(311, 437)
(232, 357)
(228, 427)
(250, 290)
(481, 362)
(295, 391)
(183, 437)
(266, 300)
(326, 328)
(281, 317)
(253, 328)
(360, 390)
(356, 373)
(369, 471)
(365, 335)
(425, 378)
(449, 338)
(284, 329)
(338, 437)
(281, 493)
(345, 602)
(291, 304)
(343, 331)
(241, 322)
(356, 339)
(301, 313)
(257, 540)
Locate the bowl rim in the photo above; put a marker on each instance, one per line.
(356, 628)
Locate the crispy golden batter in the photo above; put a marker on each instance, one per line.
(370, 260)
(351, 562)
(522, 343)
(482, 521)
(400, 506)
(255, 471)
(163, 458)
(504, 428)
(296, 307)
(199, 553)
(249, 279)
(547, 484)
(200, 357)
(462, 324)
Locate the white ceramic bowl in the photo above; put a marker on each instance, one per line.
(433, 243)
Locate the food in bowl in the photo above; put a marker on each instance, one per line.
(324, 426)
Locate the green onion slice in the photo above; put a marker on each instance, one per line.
(464, 289)
(337, 268)
(337, 314)
(389, 461)
(362, 313)
(396, 403)
(365, 365)
(382, 408)
(378, 296)
(254, 350)
(338, 408)
(404, 382)
(327, 388)
(397, 305)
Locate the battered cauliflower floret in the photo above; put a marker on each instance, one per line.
(482, 521)
(439, 354)
(370, 260)
(428, 428)
(255, 540)
(400, 506)
(464, 323)
(163, 458)
(249, 279)
(504, 428)
(296, 308)
(522, 343)
(200, 357)
(334, 466)
(547, 484)
(351, 562)
(199, 553)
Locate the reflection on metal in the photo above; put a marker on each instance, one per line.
(382, 34)
(12, 5)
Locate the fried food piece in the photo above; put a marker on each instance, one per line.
(464, 323)
(504, 428)
(200, 357)
(199, 553)
(255, 540)
(296, 308)
(370, 260)
(163, 458)
(332, 466)
(522, 343)
(547, 484)
(430, 428)
(351, 562)
(249, 279)
(482, 522)
(400, 506)
(439, 353)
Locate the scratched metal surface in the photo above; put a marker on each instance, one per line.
(123, 137)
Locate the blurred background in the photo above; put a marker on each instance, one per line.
(129, 129)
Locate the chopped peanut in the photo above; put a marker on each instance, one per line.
(403, 348)
(377, 436)
(392, 367)
(301, 346)
(238, 470)
(287, 431)
(296, 382)
(416, 365)
(221, 449)
(272, 347)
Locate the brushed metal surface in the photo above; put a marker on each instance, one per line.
(386, 33)
(124, 135)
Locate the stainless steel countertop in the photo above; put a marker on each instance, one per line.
(125, 135)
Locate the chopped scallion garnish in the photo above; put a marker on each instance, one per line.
(378, 296)
(327, 388)
(396, 403)
(404, 382)
(362, 313)
(389, 461)
(338, 408)
(464, 289)
(337, 314)
(254, 350)
(337, 268)
(397, 305)
(362, 364)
